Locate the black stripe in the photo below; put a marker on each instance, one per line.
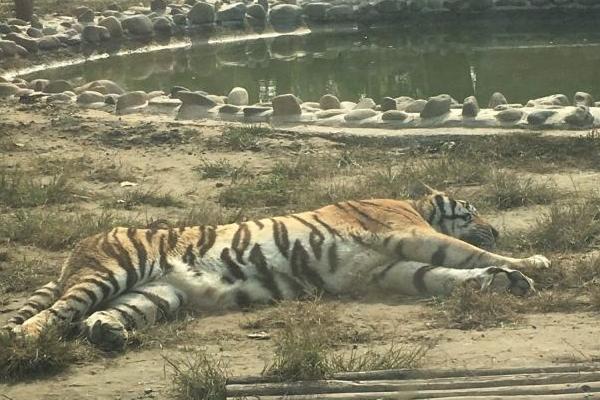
(91, 294)
(106, 290)
(399, 250)
(136, 310)
(117, 252)
(332, 258)
(75, 297)
(419, 278)
(282, 240)
(439, 201)
(439, 256)
(453, 206)
(189, 257)
(56, 313)
(150, 234)
(130, 322)
(164, 263)
(300, 266)
(242, 299)
(233, 267)
(241, 241)
(17, 319)
(360, 222)
(160, 303)
(329, 228)
(44, 294)
(172, 238)
(315, 238)
(142, 254)
(259, 224)
(266, 274)
(367, 216)
(110, 275)
(431, 216)
(35, 305)
(207, 240)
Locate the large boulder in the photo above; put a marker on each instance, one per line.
(201, 13)
(360, 114)
(256, 11)
(538, 117)
(39, 85)
(414, 106)
(470, 107)
(50, 42)
(113, 25)
(158, 5)
(286, 104)
(238, 96)
(580, 117)
(342, 12)
(103, 86)
(131, 101)
(232, 13)
(8, 89)
(90, 97)
(95, 34)
(388, 103)
(394, 115)
(436, 106)
(285, 15)
(58, 86)
(328, 102)
(583, 99)
(138, 25)
(365, 103)
(195, 99)
(25, 41)
(552, 100)
(316, 11)
(510, 115)
(496, 99)
(163, 25)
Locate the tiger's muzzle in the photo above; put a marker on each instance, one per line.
(482, 235)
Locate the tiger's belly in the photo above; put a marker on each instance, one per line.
(225, 279)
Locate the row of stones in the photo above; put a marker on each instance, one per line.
(554, 111)
(89, 27)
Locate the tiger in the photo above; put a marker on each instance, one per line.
(116, 282)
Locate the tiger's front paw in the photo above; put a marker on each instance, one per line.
(538, 261)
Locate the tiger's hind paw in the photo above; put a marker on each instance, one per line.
(506, 279)
(106, 332)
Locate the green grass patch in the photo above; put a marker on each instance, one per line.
(198, 376)
(17, 189)
(221, 168)
(151, 198)
(242, 138)
(507, 190)
(263, 191)
(56, 231)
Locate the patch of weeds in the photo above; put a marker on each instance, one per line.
(113, 172)
(55, 231)
(446, 170)
(17, 189)
(136, 198)
(553, 301)
(509, 190)
(587, 270)
(469, 308)
(305, 167)
(60, 166)
(198, 376)
(24, 358)
(221, 169)
(265, 191)
(207, 213)
(243, 138)
(568, 227)
(394, 357)
(167, 334)
(19, 276)
(594, 295)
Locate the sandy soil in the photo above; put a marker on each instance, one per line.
(160, 154)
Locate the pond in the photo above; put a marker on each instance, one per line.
(376, 62)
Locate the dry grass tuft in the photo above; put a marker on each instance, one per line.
(17, 189)
(198, 376)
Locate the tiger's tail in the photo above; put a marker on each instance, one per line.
(40, 300)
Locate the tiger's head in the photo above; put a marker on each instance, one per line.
(457, 218)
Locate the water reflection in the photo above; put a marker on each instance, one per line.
(374, 63)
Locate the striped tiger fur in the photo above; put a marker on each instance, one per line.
(127, 278)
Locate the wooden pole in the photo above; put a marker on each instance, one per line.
(24, 9)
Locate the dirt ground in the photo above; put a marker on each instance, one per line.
(98, 151)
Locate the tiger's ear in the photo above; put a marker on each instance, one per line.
(420, 189)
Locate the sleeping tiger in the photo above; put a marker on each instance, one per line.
(128, 278)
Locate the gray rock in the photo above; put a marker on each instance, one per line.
(17, 21)
(113, 25)
(131, 100)
(255, 110)
(342, 12)
(195, 98)
(180, 19)
(388, 103)
(583, 99)
(49, 43)
(59, 98)
(39, 85)
(386, 7)
(232, 13)
(4, 28)
(286, 104)
(158, 5)
(163, 26)
(394, 115)
(538, 117)
(103, 86)
(415, 106)
(332, 112)
(238, 96)
(580, 117)
(316, 11)
(95, 34)
(10, 49)
(470, 107)
(176, 89)
(138, 25)
(510, 115)
(8, 89)
(285, 15)
(201, 13)
(35, 33)
(365, 103)
(49, 30)
(86, 15)
(496, 99)
(436, 106)
(22, 40)
(256, 11)
(229, 109)
(360, 114)
(111, 99)
(89, 97)
(552, 100)
(329, 101)
(58, 86)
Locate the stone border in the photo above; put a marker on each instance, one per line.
(550, 112)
